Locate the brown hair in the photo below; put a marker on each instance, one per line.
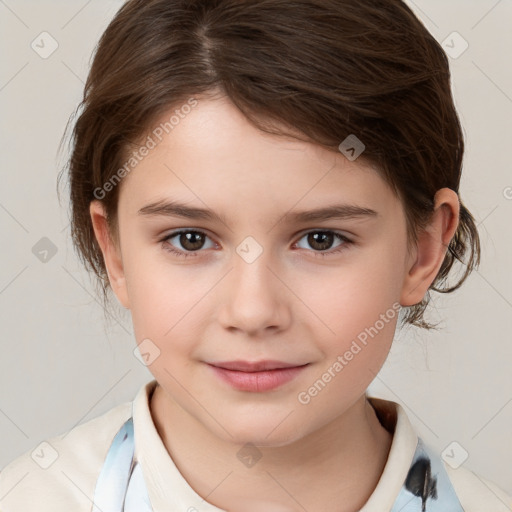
(324, 68)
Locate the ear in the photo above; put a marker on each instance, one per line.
(111, 252)
(429, 253)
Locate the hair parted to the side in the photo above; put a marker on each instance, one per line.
(325, 69)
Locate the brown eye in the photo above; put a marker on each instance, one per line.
(322, 240)
(191, 240)
(186, 241)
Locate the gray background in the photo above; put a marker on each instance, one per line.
(62, 365)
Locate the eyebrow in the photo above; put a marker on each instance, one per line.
(336, 211)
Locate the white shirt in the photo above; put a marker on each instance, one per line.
(60, 474)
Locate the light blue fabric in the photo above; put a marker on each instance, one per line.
(446, 500)
(121, 488)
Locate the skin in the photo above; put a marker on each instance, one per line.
(290, 304)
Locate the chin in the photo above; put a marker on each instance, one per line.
(265, 433)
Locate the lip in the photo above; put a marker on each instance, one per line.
(254, 366)
(256, 376)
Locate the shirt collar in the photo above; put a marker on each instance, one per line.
(403, 446)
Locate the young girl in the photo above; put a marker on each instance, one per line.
(268, 186)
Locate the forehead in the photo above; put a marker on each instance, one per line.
(213, 152)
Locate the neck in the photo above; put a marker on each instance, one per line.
(334, 469)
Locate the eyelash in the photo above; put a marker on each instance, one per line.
(321, 254)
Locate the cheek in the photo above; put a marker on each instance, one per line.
(351, 297)
(357, 309)
(166, 302)
(361, 331)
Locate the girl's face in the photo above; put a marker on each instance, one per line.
(257, 274)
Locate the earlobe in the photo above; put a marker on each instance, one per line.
(111, 253)
(431, 247)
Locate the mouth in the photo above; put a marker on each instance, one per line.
(255, 366)
(257, 376)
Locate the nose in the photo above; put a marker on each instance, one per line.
(254, 298)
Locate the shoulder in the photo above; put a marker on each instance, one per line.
(60, 473)
(477, 493)
(415, 468)
(473, 492)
